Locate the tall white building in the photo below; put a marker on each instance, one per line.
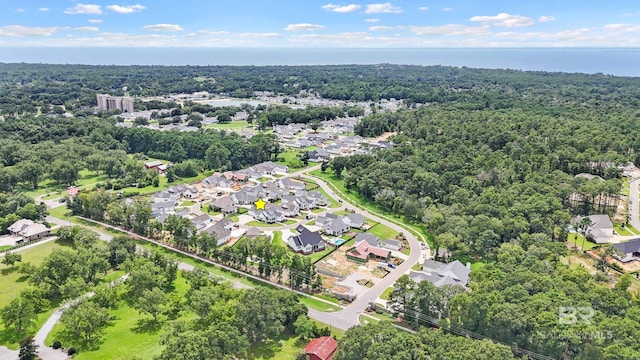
(108, 102)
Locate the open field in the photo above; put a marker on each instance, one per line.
(577, 240)
(382, 231)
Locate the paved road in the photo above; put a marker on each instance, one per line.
(350, 315)
(634, 203)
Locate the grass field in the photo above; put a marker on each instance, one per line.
(320, 254)
(386, 294)
(624, 231)
(129, 333)
(577, 239)
(233, 125)
(12, 283)
(260, 223)
(382, 231)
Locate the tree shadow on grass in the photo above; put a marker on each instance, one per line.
(10, 337)
(147, 326)
(9, 270)
(268, 348)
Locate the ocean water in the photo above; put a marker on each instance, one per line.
(611, 61)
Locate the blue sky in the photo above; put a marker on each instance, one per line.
(321, 24)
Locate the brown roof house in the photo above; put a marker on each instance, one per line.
(322, 348)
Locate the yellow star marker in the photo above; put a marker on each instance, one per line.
(260, 204)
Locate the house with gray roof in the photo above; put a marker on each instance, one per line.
(440, 274)
(336, 227)
(290, 184)
(391, 244)
(201, 221)
(601, 229)
(270, 215)
(225, 205)
(306, 241)
(370, 239)
(216, 180)
(354, 220)
(245, 197)
(628, 251)
(252, 232)
(220, 231)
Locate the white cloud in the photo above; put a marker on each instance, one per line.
(44, 9)
(342, 8)
(371, 20)
(381, 28)
(622, 28)
(163, 27)
(544, 19)
(504, 20)
(385, 8)
(450, 30)
(86, 28)
(447, 9)
(95, 21)
(260, 35)
(19, 10)
(20, 31)
(206, 33)
(84, 9)
(423, 8)
(303, 27)
(125, 9)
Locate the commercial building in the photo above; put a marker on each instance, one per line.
(108, 102)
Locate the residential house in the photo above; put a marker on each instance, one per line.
(191, 193)
(354, 220)
(165, 197)
(629, 250)
(290, 184)
(440, 274)
(225, 205)
(318, 197)
(201, 221)
(322, 348)
(370, 239)
(363, 251)
(252, 232)
(221, 230)
(601, 229)
(214, 181)
(270, 216)
(28, 230)
(162, 208)
(245, 196)
(319, 155)
(306, 241)
(391, 244)
(337, 227)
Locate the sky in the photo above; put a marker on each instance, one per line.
(320, 24)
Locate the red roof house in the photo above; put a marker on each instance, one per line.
(322, 348)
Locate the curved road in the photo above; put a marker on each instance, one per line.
(350, 315)
(634, 205)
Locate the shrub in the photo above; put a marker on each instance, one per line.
(71, 351)
(56, 344)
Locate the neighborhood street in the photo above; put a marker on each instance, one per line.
(634, 206)
(344, 319)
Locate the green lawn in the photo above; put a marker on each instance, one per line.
(317, 304)
(233, 125)
(621, 230)
(286, 346)
(386, 294)
(382, 231)
(289, 222)
(187, 203)
(12, 282)
(633, 230)
(260, 223)
(337, 184)
(277, 239)
(5, 247)
(318, 255)
(574, 239)
(129, 333)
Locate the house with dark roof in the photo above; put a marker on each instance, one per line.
(601, 228)
(322, 348)
(440, 274)
(306, 241)
(628, 251)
